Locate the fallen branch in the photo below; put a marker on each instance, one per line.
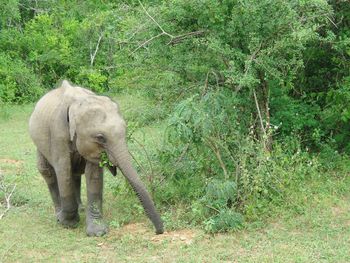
(7, 198)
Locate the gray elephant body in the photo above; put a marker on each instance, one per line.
(71, 127)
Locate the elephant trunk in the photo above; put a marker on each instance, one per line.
(120, 157)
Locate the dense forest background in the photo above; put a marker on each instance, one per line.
(253, 96)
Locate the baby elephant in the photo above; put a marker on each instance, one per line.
(71, 127)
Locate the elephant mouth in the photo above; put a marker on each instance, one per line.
(94, 160)
(98, 161)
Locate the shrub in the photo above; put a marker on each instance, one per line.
(225, 175)
(18, 83)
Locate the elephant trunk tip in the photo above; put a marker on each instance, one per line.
(153, 215)
(159, 227)
(159, 231)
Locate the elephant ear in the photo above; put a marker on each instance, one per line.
(71, 117)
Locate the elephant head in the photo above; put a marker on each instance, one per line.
(96, 126)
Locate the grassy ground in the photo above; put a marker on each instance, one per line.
(29, 232)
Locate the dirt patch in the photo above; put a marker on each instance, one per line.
(347, 223)
(135, 228)
(11, 161)
(184, 236)
(338, 211)
(8, 165)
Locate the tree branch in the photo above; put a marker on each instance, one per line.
(179, 38)
(138, 163)
(160, 27)
(177, 162)
(211, 207)
(260, 118)
(216, 150)
(146, 42)
(173, 39)
(92, 56)
(147, 156)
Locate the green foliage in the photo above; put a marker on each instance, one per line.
(216, 206)
(336, 117)
(92, 79)
(18, 83)
(291, 115)
(9, 13)
(224, 221)
(104, 160)
(209, 158)
(205, 118)
(49, 51)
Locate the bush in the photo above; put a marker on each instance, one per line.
(18, 83)
(224, 175)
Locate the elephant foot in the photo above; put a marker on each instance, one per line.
(96, 227)
(68, 220)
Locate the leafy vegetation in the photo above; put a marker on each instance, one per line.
(251, 98)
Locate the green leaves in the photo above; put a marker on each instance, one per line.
(18, 83)
(104, 160)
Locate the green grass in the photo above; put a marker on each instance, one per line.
(29, 232)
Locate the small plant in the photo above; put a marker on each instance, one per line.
(224, 221)
(219, 207)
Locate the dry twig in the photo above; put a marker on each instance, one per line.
(93, 55)
(173, 39)
(160, 27)
(7, 196)
(214, 147)
(148, 158)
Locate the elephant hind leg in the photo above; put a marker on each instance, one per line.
(50, 177)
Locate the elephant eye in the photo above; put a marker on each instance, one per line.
(100, 138)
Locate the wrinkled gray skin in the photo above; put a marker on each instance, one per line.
(71, 127)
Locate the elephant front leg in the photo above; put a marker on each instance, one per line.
(94, 186)
(68, 216)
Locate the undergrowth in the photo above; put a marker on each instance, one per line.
(216, 176)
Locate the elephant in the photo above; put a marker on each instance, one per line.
(72, 128)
